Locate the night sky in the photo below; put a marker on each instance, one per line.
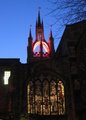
(16, 16)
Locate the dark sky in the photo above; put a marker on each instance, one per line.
(16, 16)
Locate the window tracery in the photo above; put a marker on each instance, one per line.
(46, 97)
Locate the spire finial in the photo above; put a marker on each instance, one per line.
(39, 8)
(50, 27)
(30, 26)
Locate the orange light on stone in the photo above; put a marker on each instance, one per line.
(44, 44)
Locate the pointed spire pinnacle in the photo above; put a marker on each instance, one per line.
(36, 23)
(50, 33)
(30, 34)
(51, 36)
(39, 21)
(42, 24)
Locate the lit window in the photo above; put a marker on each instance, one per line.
(45, 98)
(6, 77)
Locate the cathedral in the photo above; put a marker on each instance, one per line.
(52, 84)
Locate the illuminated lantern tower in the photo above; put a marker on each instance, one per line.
(40, 48)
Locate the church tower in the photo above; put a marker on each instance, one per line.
(45, 86)
(40, 48)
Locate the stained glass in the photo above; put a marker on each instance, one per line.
(46, 97)
(38, 97)
(46, 106)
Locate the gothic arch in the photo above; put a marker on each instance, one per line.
(48, 95)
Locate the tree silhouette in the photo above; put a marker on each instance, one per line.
(68, 11)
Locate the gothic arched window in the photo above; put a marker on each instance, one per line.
(30, 97)
(46, 105)
(53, 97)
(46, 97)
(38, 97)
(61, 98)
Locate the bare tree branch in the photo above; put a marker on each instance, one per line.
(69, 10)
(66, 12)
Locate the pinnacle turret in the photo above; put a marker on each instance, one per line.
(39, 20)
(51, 36)
(30, 34)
